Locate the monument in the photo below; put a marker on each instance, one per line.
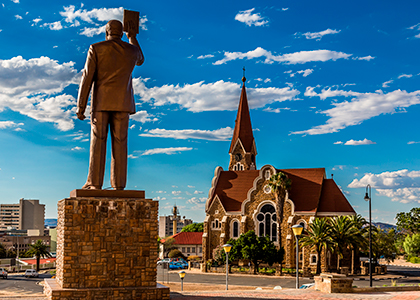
(106, 239)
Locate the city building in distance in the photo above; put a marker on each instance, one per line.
(27, 214)
(168, 223)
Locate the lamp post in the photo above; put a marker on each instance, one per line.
(227, 248)
(368, 197)
(182, 275)
(297, 231)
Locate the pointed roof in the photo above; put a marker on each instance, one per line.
(188, 238)
(243, 127)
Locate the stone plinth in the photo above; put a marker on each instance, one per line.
(333, 283)
(106, 247)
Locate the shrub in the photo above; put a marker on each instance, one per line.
(175, 253)
(412, 245)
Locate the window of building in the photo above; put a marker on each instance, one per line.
(193, 249)
(238, 167)
(200, 249)
(267, 222)
(313, 259)
(216, 225)
(267, 174)
(234, 229)
(183, 249)
(188, 249)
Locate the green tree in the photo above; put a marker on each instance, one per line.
(194, 227)
(412, 245)
(383, 244)
(280, 184)
(174, 253)
(257, 249)
(410, 221)
(168, 245)
(318, 237)
(39, 249)
(344, 236)
(2, 251)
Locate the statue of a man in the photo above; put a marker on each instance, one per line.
(108, 69)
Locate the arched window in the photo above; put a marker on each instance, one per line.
(238, 167)
(234, 229)
(266, 222)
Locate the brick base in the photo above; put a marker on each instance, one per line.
(54, 292)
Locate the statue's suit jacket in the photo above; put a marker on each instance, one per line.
(108, 70)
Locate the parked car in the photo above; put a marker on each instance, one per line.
(162, 261)
(31, 273)
(175, 266)
(3, 273)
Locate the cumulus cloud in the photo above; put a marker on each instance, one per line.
(249, 18)
(387, 83)
(18, 17)
(222, 134)
(362, 107)
(176, 193)
(93, 20)
(338, 143)
(361, 142)
(198, 192)
(168, 151)
(368, 58)
(77, 148)
(198, 203)
(143, 116)
(29, 87)
(402, 186)
(405, 76)
(289, 58)
(318, 35)
(9, 124)
(215, 96)
(205, 56)
(15, 1)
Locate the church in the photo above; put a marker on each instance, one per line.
(240, 199)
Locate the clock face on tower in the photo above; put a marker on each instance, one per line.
(238, 157)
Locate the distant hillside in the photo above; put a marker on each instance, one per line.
(384, 225)
(50, 223)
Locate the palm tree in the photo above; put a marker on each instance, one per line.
(361, 225)
(344, 235)
(39, 249)
(279, 184)
(318, 236)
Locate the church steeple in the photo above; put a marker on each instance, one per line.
(242, 148)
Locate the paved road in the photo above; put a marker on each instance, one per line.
(402, 275)
(17, 283)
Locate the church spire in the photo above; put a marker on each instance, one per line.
(242, 148)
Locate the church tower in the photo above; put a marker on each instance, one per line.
(242, 148)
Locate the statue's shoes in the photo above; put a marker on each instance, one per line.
(90, 187)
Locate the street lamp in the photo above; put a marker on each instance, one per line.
(297, 231)
(227, 248)
(182, 275)
(368, 198)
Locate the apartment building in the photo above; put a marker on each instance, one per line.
(27, 214)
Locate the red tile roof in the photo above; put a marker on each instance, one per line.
(41, 261)
(332, 199)
(188, 238)
(310, 192)
(243, 127)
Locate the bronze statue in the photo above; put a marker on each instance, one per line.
(108, 69)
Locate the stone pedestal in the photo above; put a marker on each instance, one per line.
(106, 247)
(333, 283)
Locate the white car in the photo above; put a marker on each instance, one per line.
(31, 273)
(3, 273)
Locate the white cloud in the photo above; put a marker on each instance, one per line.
(168, 151)
(289, 58)
(339, 167)
(77, 148)
(215, 96)
(415, 27)
(53, 26)
(198, 203)
(412, 142)
(132, 156)
(361, 142)
(198, 192)
(405, 76)
(285, 8)
(205, 56)
(28, 86)
(18, 17)
(387, 83)
(222, 134)
(79, 136)
(362, 107)
(318, 35)
(367, 58)
(249, 18)
(143, 116)
(276, 110)
(176, 193)
(191, 186)
(15, 1)
(338, 143)
(267, 80)
(37, 20)
(305, 72)
(92, 17)
(402, 186)
(9, 124)
(159, 198)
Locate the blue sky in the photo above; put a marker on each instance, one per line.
(329, 84)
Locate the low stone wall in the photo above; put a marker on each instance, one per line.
(333, 283)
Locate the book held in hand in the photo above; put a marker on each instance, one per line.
(131, 16)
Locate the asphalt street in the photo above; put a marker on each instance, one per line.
(402, 275)
(17, 283)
